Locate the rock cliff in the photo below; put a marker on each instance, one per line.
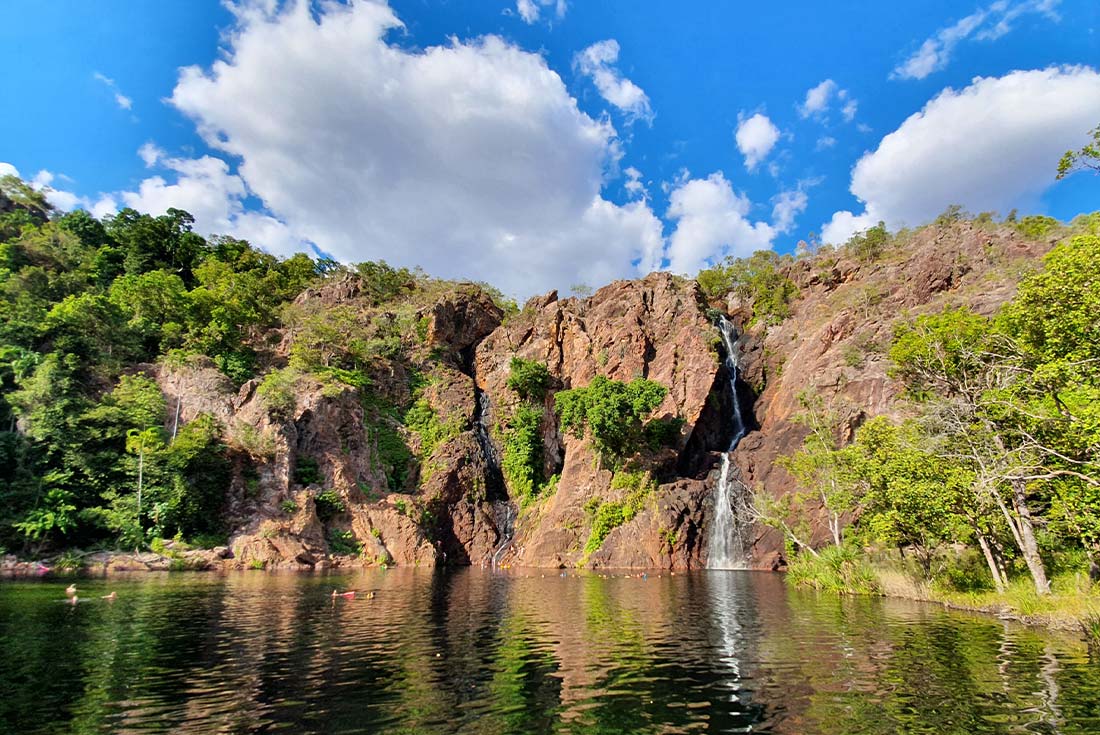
(836, 339)
(407, 470)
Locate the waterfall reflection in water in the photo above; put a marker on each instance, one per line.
(521, 651)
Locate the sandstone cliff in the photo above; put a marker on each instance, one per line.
(842, 322)
(406, 469)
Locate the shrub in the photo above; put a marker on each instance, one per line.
(329, 504)
(307, 471)
(609, 515)
(759, 277)
(424, 422)
(528, 378)
(522, 460)
(612, 411)
(391, 453)
(289, 507)
(343, 543)
(869, 245)
(834, 569)
(277, 391)
(1036, 226)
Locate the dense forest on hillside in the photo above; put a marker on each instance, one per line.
(86, 457)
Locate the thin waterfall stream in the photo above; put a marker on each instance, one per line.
(504, 511)
(728, 540)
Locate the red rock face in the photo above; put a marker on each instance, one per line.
(836, 340)
(653, 328)
(460, 512)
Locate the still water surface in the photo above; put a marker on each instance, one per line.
(472, 651)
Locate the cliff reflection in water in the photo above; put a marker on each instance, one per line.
(527, 651)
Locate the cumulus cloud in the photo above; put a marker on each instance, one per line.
(123, 102)
(712, 222)
(598, 62)
(989, 147)
(787, 205)
(820, 98)
(469, 159)
(634, 185)
(531, 10)
(985, 24)
(755, 136)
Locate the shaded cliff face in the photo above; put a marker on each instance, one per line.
(836, 339)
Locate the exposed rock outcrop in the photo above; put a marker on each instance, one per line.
(835, 342)
(335, 474)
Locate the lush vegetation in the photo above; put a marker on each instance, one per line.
(90, 454)
(530, 379)
(1000, 455)
(85, 449)
(612, 412)
(760, 278)
(607, 515)
(523, 463)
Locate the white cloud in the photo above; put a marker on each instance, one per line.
(59, 198)
(849, 110)
(824, 142)
(787, 206)
(470, 159)
(123, 102)
(531, 10)
(150, 154)
(819, 101)
(817, 98)
(711, 223)
(528, 10)
(634, 185)
(989, 147)
(755, 136)
(598, 62)
(985, 24)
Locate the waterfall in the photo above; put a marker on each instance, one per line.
(504, 511)
(504, 515)
(493, 476)
(727, 544)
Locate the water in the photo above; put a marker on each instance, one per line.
(488, 449)
(478, 652)
(728, 543)
(504, 516)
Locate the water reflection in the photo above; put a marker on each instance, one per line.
(525, 652)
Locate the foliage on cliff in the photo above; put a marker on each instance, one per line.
(1000, 446)
(89, 451)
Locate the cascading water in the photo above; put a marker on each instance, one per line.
(504, 515)
(504, 511)
(726, 545)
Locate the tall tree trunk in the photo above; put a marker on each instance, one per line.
(991, 560)
(1028, 545)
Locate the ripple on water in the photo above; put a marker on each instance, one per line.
(478, 652)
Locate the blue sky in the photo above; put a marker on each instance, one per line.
(547, 143)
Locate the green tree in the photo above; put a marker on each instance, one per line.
(613, 412)
(530, 379)
(1085, 159)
